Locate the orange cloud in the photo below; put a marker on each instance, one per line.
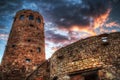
(100, 21)
(86, 30)
(97, 22)
(111, 24)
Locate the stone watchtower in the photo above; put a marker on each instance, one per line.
(26, 46)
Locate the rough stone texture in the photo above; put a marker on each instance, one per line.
(0, 72)
(87, 55)
(41, 73)
(25, 49)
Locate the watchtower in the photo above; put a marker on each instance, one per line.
(26, 45)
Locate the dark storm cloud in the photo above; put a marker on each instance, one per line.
(68, 14)
(116, 10)
(8, 9)
(62, 12)
(10, 5)
(55, 37)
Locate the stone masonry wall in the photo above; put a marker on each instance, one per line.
(99, 52)
(41, 73)
(25, 48)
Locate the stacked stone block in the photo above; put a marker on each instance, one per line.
(89, 54)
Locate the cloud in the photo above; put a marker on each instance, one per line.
(4, 37)
(55, 38)
(67, 14)
(112, 24)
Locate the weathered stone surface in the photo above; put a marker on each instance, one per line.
(87, 55)
(41, 73)
(25, 48)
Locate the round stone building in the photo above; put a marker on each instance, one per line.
(25, 48)
(93, 58)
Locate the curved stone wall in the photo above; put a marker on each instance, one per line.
(99, 52)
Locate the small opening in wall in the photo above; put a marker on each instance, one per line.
(38, 49)
(29, 40)
(104, 39)
(90, 75)
(93, 76)
(38, 20)
(13, 45)
(55, 78)
(31, 25)
(31, 17)
(60, 56)
(21, 17)
(31, 50)
(28, 60)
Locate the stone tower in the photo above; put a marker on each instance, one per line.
(26, 46)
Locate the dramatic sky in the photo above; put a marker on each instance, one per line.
(66, 21)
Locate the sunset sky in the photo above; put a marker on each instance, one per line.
(66, 21)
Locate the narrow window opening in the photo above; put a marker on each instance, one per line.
(60, 56)
(31, 17)
(13, 45)
(38, 49)
(38, 20)
(28, 60)
(29, 40)
(55, 78)
(31, 50)
(21, 17)
(92, 76)
(104, 39)
(31, 25)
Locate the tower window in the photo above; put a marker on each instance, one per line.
(29, 40)
(55, 78)
(31, 50)
(31, 17)
(60, 56)
(38, 20)
(21, 17)
(31, 25)
(104, 39)
(13, 45)
(28, 60)
(38, 49)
